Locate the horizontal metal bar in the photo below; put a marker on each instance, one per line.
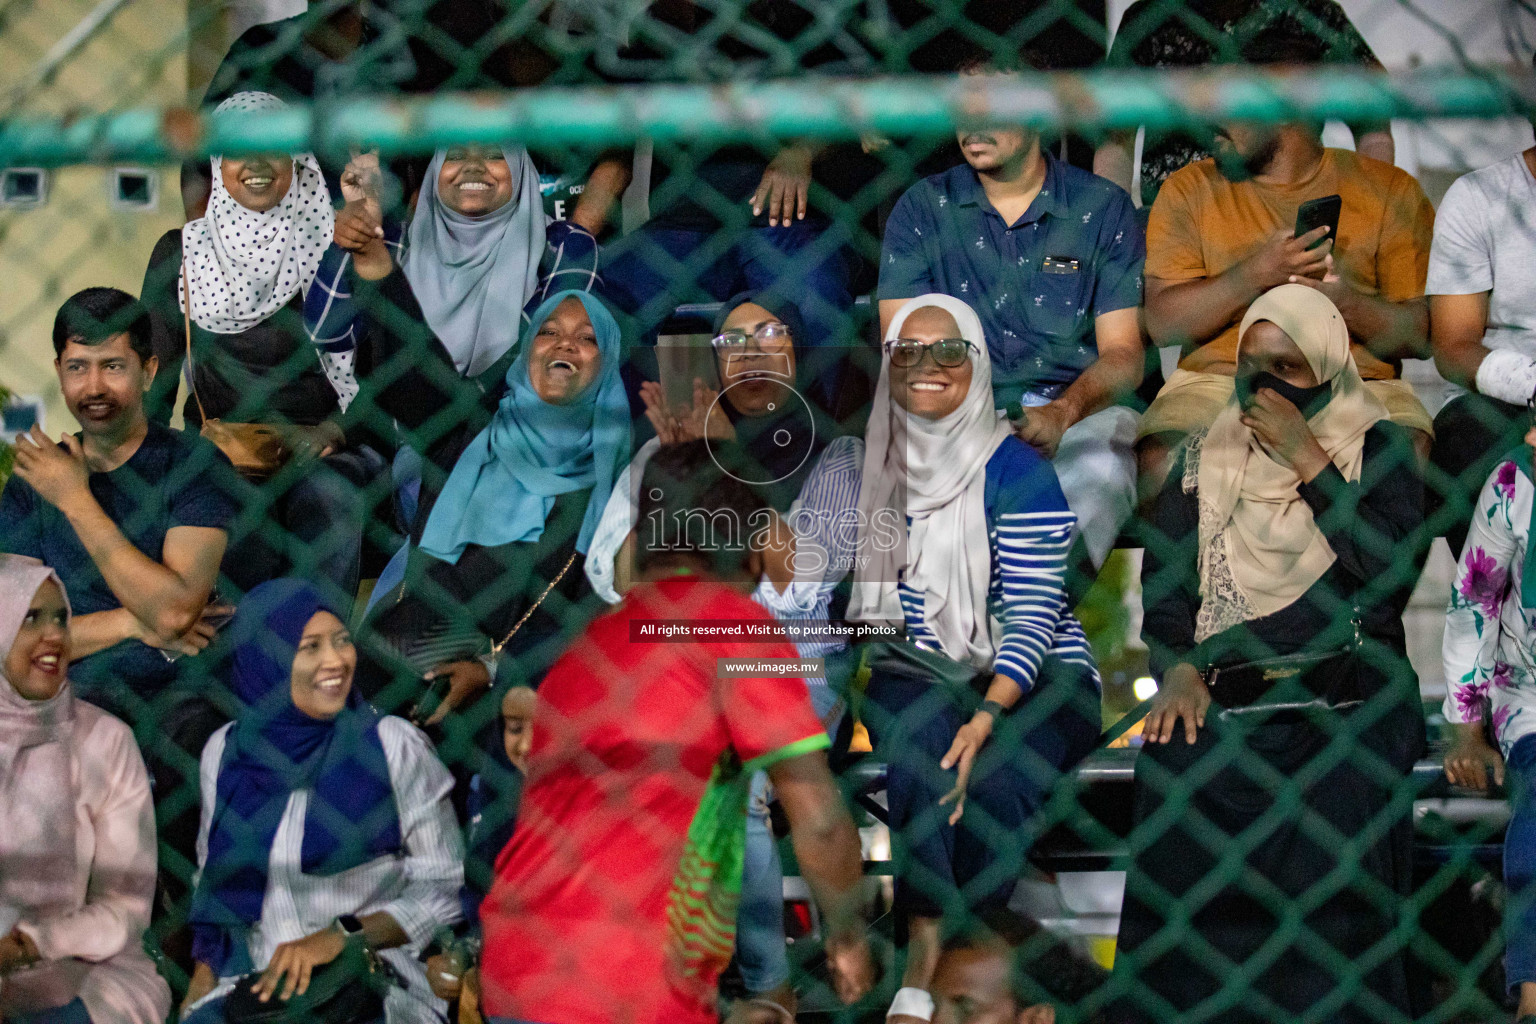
(1117, 766)
(805, 107)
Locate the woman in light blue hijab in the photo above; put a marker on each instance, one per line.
(562, 426)
(493, 569)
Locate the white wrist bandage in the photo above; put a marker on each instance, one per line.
(911, 1002)
(1508, 376)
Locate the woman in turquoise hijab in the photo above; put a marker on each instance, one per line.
(493, 574)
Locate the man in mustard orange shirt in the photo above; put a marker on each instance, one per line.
(1221, 235)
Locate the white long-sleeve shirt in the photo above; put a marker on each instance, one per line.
(419, 888)
(1490, 640)
(825, 538)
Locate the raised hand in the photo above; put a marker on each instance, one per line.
(785, 187)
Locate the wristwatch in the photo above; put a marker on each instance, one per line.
(351, 927)
(994, 709)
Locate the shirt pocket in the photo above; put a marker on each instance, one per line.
(1057, 304)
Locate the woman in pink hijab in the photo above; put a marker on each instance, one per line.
(77, 830)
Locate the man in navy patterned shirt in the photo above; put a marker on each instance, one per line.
(1050, 257)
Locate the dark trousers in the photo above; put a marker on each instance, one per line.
(213, 1013)
(975, 864)
(314, 522)
(1471, 434)
(1520, 867)
(72, 1012)
(653, 270)
(1270, 865)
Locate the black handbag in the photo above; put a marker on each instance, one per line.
(907, 660)
(348, 990)
(1293, 683)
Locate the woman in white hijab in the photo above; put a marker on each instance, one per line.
(963, 542)
(229, 288)
(236, 278)
(1288, 529)
(77, 830)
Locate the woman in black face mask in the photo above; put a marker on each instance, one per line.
(1285, 530)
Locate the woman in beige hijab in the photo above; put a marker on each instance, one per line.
(1286, 530)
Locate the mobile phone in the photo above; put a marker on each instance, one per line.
(682, 359)
(432, 699)
(1314, 213)
(219, 621)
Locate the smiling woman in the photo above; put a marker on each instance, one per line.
(521, 499)
(226, 295)
(473, 249)
(564, 359)
(977, 583)
(77, 851)
(312, 797)
(257, 182)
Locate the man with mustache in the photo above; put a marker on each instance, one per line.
(1221, 234)
(1050, 258)
(131, 517)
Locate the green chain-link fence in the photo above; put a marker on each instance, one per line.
(659, 98)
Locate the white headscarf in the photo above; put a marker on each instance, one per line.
(243, 266)
(1260, 548)
(473, 275)
(37, 811)
(933, 472)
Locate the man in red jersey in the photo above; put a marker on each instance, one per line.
(615, 901)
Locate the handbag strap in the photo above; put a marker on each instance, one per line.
(186, 319)
(496, 648)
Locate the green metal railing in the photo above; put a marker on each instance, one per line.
(830, 109)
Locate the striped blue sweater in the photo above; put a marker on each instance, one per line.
(1030, 529)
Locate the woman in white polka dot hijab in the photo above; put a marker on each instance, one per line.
(248, 256)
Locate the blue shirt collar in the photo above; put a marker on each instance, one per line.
(965, 185)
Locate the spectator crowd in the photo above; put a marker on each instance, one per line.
(337, 703)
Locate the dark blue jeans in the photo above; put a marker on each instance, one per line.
(72, 1012)
(975, 864)
(648, 273)
(314, 526)
(1520, 866)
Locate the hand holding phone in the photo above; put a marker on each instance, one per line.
(1322, 212)
(1285, 256)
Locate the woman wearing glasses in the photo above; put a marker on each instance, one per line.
(778, 443)
(963, 541)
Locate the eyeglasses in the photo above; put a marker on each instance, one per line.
(907, 353)
(771, 337)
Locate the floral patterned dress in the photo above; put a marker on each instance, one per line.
(1490, 639)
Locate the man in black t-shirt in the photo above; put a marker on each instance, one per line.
(132, 517)
(128, 513)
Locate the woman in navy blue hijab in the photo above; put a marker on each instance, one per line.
(313, 796)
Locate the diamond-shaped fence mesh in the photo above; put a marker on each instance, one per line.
(439, 301)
